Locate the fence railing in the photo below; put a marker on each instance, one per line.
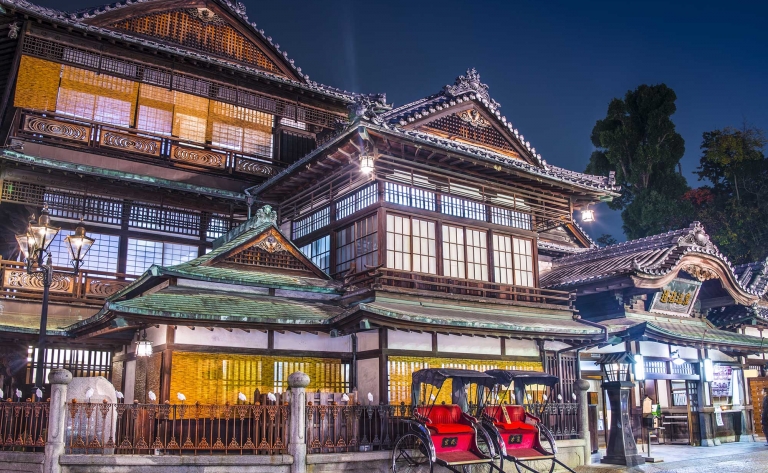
(349, 428)
(24, 426)
(177, 429)
(561, 418)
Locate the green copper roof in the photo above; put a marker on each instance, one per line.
(250, 278)
(507, 318)
(704, 333)
(120, 175)
(220, 306)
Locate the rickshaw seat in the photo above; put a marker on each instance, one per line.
(444, 419)
(450, 428)
(515, 425)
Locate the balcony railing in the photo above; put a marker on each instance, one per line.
(23, 426)
(380, 277)
(178, 429)
(133, 144)
(87, 286)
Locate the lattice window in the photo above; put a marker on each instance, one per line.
(523, 261)
(359, 243)
(101, 257)
(76, 206)
(99, 97)
(462, 208)
(512, 261)
(486, 135)
(398, 242)
(293, 123)
(319, 251)
(241, 129)
(312, 222)
(217, 226)
(411, 244)
(144, 253)
(155, 217)
(453, 251)
(255, 256)
(190, 117)
(477, 254)
(357, 201)
(511, 218)
(155, 112)
(410, 196)
(81, 363)
(23, 193)
(187, 28)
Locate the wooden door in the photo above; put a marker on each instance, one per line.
(694, 426)
(756, 386)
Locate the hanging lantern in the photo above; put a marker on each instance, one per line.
(78, 245)
(676, 358)
(39, 236)
(366, 163)
(639, 367)
(587, 215)
(144, 346)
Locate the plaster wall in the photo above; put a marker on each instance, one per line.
(368, 379)
(619, 347)
(368, 340)
(130, 380)
(662, 388)
(654, 349)
(221, 338)
(158, 336)
(521, 347)
(717, 355)
(688, 353)
(473, 345)
(311, 342)
(554, 346)
(398, 340)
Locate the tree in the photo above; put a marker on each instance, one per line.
(606, 239)
(734, 208)
(637, 140)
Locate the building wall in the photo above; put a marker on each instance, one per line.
(368, 379)
(470, 345)
(312, 342)
(221, 338)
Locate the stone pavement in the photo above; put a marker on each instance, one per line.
(749, 457)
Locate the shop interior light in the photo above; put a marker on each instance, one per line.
(709, 371)
(639, 368)
(676, 358)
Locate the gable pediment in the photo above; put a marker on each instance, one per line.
(198, 25)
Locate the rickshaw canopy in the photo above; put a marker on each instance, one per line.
(504, 377)
(460, 379)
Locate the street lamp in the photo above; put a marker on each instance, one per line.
(617, 382)
(34, 245)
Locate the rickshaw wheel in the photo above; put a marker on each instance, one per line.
(485, 449)
(411, 455)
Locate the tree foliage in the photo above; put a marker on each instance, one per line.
(637, 139)
(606, 239)
(734, 208)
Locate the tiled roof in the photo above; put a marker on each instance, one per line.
(76, 20)
(656, 255)
(229, 307)
(753, 275)
(251, 278)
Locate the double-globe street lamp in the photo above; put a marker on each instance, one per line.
(34, 245)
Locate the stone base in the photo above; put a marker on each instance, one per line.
(628, 460)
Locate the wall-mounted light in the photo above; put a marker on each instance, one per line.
(639, 368)
(676, 358)
(587, 215)
(144, 346)
(708, 371)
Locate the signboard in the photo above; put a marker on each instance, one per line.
(721, 383)
(719, 416)
(676, 298)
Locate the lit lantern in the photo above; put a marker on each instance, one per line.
(639, 368)
(587, 215)
(144, 346)
(78, 245)
(709, 370)
(39, 236)
(676, 358)
(366, 163)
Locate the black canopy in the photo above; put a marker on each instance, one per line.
(436, 377)
(525, 377)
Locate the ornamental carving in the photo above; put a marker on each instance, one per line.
(270, 244)
(697, 237)
(23, 280)
(266, 215)
(206, 16)
(104, 287)
(134, 144)
(369, 107)
(57, 129)
(198, 157)
(469, 83)
(699, 272)
(13, 31)
(473, 118)
(253, 167)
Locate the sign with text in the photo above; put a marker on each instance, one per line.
(676, 298)
(721, 382)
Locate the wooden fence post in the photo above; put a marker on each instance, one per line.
(57, 420)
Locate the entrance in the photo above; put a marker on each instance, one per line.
(756, 386)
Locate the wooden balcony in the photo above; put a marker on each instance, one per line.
(420, 283)
(51, 128)
(87, 287)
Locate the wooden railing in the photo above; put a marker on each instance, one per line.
(405, 281)
(88, 285)
(177, 429)
(23, 426)
(133, 144)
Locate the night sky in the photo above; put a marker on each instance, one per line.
(553, 66)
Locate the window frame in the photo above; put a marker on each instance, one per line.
(411, 242)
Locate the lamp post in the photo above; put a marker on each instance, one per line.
(617, 382)
(34, 245)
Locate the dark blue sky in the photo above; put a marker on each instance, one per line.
(552, 65)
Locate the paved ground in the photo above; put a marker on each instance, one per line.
(727, 458)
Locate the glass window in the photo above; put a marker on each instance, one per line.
(462, 207)
(523, 261)
(357, 201)
(101, 257)
(319, 251)
(424, 247)
(144, 253)
(511, 218)
(98, 97)
(155, 110)
(398, 242)
(477, 255)
(453, 251)
(411, 244)
(503, 270)
(241, 129)
(512, 261)
(359, 243)
(312, 222)
(410, 196)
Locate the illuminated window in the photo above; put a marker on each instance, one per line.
(358, 243)
(477, 255)
(356, 201)
(410, 196)
(462, 208)
(101, 257)
(453, 251)
(411, 244)
(155, 113)
(190, 117)
(398, 242)
(319, 251)
(241, 129)
(312, 222)
(98, 97)
(523, 261)
(144, 253)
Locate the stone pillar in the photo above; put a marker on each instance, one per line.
(297, 439)
(57, 420)
(582, 386)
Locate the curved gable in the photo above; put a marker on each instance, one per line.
(199, 25)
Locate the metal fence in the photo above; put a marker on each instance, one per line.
(350, 428)
(178, 429)
(561, 418)
(24, 426)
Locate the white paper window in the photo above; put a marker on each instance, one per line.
(398, 242)
(477, 255)
(523, 261)
(453, 252)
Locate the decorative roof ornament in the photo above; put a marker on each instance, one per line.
(697, 237)
(13, 31)
(369, 107)
(473, 118)
(270, 244)
(470, 83)
(266, 215)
